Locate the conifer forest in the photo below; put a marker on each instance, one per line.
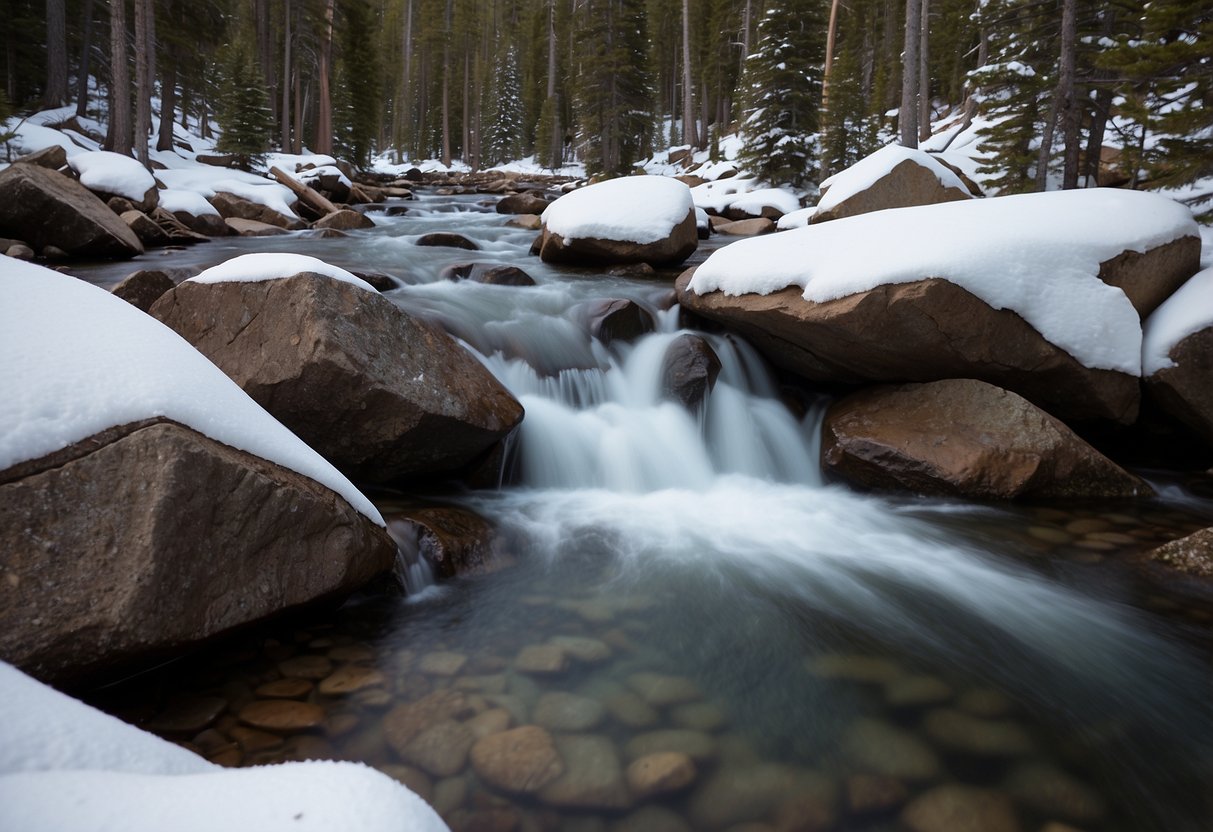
(810, 86)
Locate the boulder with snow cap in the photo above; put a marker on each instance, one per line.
(1007, 290)
(381, 394)
(231, 206)
(634, 219)
(156, 508)
(113, 174)
(892, 177)
(1177, 355)
(46, 208)
(997, 446)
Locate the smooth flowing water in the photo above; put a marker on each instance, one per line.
(686, 581)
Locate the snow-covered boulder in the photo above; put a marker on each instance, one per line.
(381, 394)
(1011, 291)
(892, 177)
(193, 211)
(145, 501)
(771, 203)
(999, 446)
(112, 174)
(1177, 355)
(65, 765)
(633, 219)
(46, 208)
(232, 206)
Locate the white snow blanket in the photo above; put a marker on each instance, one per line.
(1035, 254)
(208, 181)
(1187, 311)
(779, 199)
(870, 169)
(249, 268)
(796, 219)
(75, 360)
(65, 765)
(174, 199)
(636, 209)
(112, 173)
(715, 197)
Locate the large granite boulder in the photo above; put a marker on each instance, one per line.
(235, 207)
(634, 219)
(381, 394)
(1190, 556)
(892, 177)
(46, 208)
(1177, 355)
(965, 438)
(150, 535)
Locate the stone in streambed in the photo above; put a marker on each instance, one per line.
(344, 220)
(736, 794)
(1051, 792)
(408, 719)
(661, 689)
(282, 715)
(143, 288)
(876, 747)
(541, 659)
(660, 773)
(442, 663)
(310, 667)
(252, 228)
(848, 668)
(968, 734)
(872, 794)
(521, 761)
(583, 649)
(440, 749)
(187, 716)
(592, 778)
(289, 688)
(957, 808)
(652, 819)
(446, 239)
(568, 712)
(689, 370)
(698, 746)
(1190, 556)
(351, 679)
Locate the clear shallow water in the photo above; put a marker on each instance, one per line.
(819, 637)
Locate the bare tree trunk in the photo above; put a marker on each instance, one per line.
(56, 53)
(467, 106)
(907, 115)
(446, 86)
(1071, 115)
(297, 139)
(924, 74)
(118, 136)
(402, 95)
(144, 47)
(168, 104)
(689, 133)
(746, 17)
(324, 69)
(265, 49)
(86, 55)
(831, 35)
(285, 113)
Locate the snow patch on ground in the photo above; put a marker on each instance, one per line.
(796, 219)
(636, 209)
(1035, 254)
(76, 360)
(112, 173)
(191, 202)
(208, 181)
(1187, 311)
(867, 171)
(715, 197)
(250, 268)
(65, 765)
(778, 199)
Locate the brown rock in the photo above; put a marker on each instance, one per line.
(489, 273)
(965, 438)
(306, 667)
(289, 688)
(208, 224)
(1051, 792)
(1148, 278)
(958, 731)
(1191, 555)
(19, 251)
(448, 240)
(582, 649)
(907, 183)
(351, 679)
(746, 228)
(379, 393)
(344, 220)
(282, 715)
(407, 720)
(440, 749)
(541, 659)
(143, 288)
(520, 761)
(632, 270)
(592, 778)
(216, 536)
(523, 203)
(661, 689)
(736, 794)
(252, 740)
(671, 251)
(492, 721)
(252, 228)
(868, 793)
(120, 205)
(52, 158)
(929, 329)
(689, 370)
(697, 745)
(188, 715)
(529, 222)
(876, 747)
(454, 540)
(660, 773)
(618, 320)
(45, 208)
(1184, 390)
(232, 207)
(956, 808)
(568, 712)
(145, 228)
(442, 663)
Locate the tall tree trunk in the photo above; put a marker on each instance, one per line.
(831, 36)
(168, 103)
(56, 53)
(118, 135)
(746, 25)
(907, 115)
(324, 69)
(924, 74)
(86, 56)
(285, 107)
(1101, 113)
(297, 138)
(467, 106)
(1071, 114)
(402, 105)
(557, 146)
(143, 77)
(265, 48)
(689, 133)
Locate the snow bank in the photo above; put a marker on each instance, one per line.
(1035, 254)
(208, 181)
(717, 196)
(65, 765)
(290, 162)
(324, 170)
(796, 219)
(112, 173)
(77, 360)
(752, 203)
(31, 138)
(174, 199)
(865, 173)
(1187, 311)
(249, 268)
(637, 209)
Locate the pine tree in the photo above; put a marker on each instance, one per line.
(781, 86)
(504, 128)
(244, 114)
(359, 67)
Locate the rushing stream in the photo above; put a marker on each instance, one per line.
(825, 658)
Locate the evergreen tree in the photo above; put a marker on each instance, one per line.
(614, 94)
(549, 149)
(244, 114)
(781, 86)
(504, 128)
(359, 68)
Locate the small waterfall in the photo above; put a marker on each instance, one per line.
(412, 570)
